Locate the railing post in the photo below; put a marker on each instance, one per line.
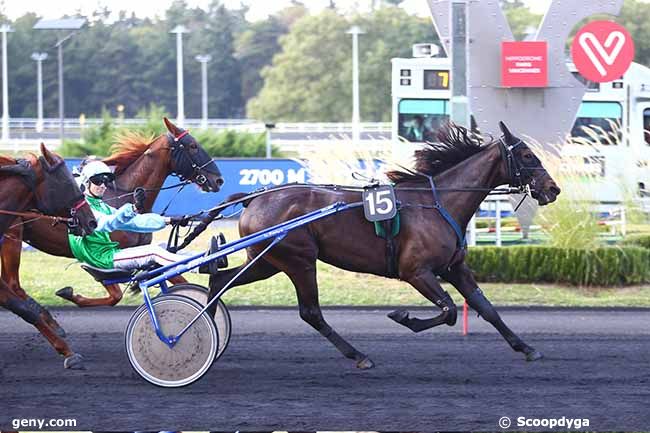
(497, 213)
(471, 236)
(623, 221)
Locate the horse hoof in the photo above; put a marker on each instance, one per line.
(74, 362)
(534, 356)
(365, 364)
(65, 293)
(400, 316)
(451, 317)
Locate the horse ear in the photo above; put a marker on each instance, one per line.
(171, 127)
(47, 155)
(506, 132)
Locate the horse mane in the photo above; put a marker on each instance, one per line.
(128, 148)
(455, 144)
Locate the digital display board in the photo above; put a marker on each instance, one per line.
(436, 79)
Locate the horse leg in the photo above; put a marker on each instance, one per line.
(10, 254)
(307, 291)
(461, 277)
(30, 314)
(426, 283)
(114, 296)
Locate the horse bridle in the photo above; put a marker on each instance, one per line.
(27, 174)
(513, 168)
(179, 151)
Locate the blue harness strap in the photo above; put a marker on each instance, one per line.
(461, 242)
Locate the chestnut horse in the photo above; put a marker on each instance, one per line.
(462, 167)
(43, 183)
(138, 162)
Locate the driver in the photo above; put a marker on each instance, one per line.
(98, 250)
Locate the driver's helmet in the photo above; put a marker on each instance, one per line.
(96, 172)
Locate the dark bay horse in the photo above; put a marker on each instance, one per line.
(43, 183)
(464, 168)
(138, 162)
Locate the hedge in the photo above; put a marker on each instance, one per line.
(99, 139)
(640, 240)
(604, 266)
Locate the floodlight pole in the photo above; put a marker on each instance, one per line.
(62, 24)
(39, 57)
(179, 30)
(355, 31)
(59, 46)
(5, 87)
(204, 59)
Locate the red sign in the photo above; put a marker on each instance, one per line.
(602, 51)
(524, 64)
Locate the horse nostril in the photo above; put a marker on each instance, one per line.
(555, 190)
(92, 224)
(220, 181)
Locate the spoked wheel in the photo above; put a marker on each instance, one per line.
(221, 317)
(189, 359)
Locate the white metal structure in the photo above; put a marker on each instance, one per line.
(618, 110)
(180, 98)
(5, 80)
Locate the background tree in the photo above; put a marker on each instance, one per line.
(305, 81)
(635, 16)
(311, 79)
(256, 46)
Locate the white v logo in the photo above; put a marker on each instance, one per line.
(608, 58)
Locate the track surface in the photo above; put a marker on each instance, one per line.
(279, 374)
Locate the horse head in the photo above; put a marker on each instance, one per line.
(57, 193)
(190, 161)
(523, 167)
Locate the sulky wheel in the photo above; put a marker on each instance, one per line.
(189, 359)
(221, 318)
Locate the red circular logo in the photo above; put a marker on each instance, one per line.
(602, 51)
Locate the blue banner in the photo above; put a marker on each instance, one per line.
(240, 175)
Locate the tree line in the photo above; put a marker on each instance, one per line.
(291, 66)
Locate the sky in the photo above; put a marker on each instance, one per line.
(259, 9)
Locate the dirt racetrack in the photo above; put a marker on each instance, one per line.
(279, 374)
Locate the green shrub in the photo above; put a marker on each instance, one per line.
(231, 144)
(640, 240)
(99, 140)
(604, 266)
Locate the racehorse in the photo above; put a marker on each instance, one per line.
(138, 162)
(451, 177)
(43, 183)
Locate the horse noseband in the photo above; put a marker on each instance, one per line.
(73, 222)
